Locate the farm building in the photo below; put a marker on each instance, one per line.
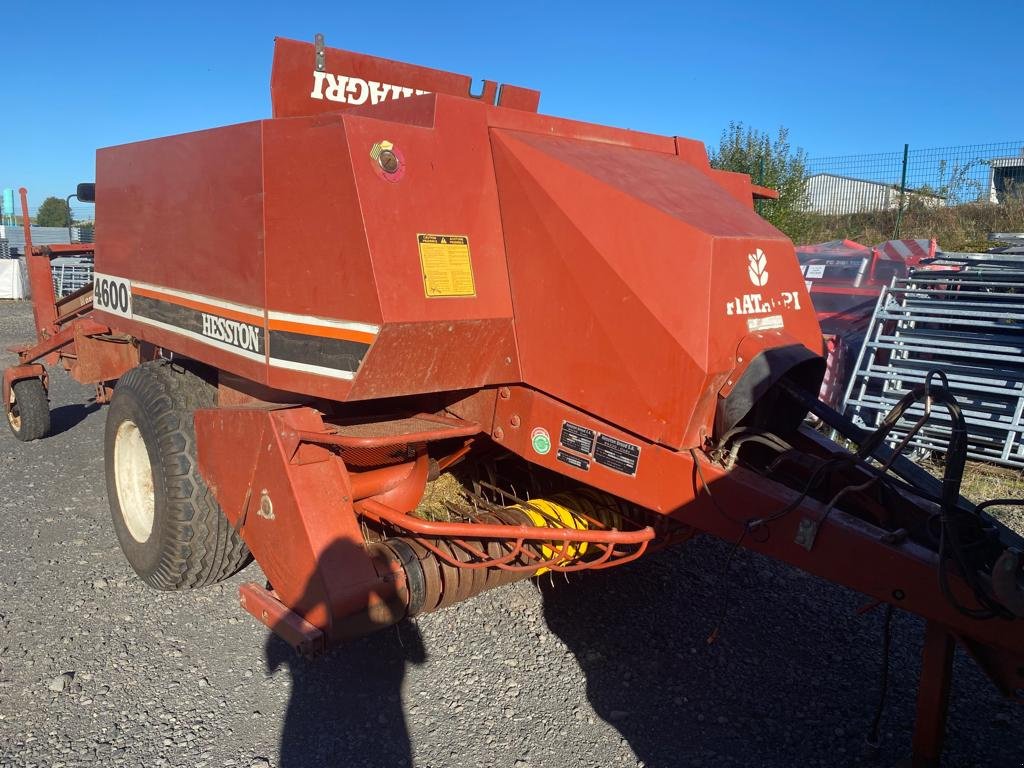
(1005, 178)
(831, 193)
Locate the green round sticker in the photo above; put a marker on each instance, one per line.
(541, 440)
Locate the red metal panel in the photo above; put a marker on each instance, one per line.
(318, 262)
(438, 356)
(185, 212)
(545, 125)
(295, 517)
(637, 259)
(354, 79)
(448, 188)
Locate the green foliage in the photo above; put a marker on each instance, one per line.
(53, 213)
(770, 162)
(956, 227)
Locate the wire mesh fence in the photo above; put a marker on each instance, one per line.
(930, 178)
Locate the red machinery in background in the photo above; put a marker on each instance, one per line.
(844, 279)
(395, 284)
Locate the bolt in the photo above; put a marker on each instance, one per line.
(739, 359)
(388, 161)
(508, 361)
(898, 594)
(504, 393)
(266, 509)
(514, 421)
(498, 433)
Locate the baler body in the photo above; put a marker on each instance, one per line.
(609, 269)
(393, 280)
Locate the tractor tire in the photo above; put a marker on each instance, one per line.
(169, 525)
(29, 417)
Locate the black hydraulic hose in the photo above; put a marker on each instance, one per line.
(960, 531)
(963, 536)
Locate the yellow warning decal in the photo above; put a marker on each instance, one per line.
(446, 265)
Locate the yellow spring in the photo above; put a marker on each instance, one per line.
(571, 509)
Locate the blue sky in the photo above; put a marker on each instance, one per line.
(844, 77)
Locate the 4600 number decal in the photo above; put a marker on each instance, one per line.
(112, 294)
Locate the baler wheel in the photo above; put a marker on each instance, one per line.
(169, 525)
(29, 414)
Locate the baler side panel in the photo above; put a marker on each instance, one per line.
(447, 187)
(182, 218)
(318, 262)
(185, 212)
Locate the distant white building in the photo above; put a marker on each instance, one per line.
(831, 193)
(1005, 177)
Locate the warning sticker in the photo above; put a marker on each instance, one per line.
(573, 460)
(579, 439)
(446, 265)
(765, 323)
(617, 454)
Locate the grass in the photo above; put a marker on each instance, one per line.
(986, 481)
(957, 228)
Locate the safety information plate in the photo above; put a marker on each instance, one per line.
(446, 265)
(617, 454)
(573, 460)
(577, 438)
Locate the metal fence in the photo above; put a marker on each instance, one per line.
(933, 177)
(970, 326)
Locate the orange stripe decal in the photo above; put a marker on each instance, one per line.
(199, 306)
(322, 330)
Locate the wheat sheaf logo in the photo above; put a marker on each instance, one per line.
(758, 268)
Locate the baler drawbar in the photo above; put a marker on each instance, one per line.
(420, 343)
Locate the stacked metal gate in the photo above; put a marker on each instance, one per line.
(71, 274)
(968, 322)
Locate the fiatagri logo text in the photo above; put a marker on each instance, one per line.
(354, 90)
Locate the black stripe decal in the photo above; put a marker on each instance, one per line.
(244, 336)
(339, 354)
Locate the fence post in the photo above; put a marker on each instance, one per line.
(903, 193)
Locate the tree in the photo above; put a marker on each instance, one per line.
(770, 163)
(53, 213)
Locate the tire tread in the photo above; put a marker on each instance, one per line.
(34, 409)
(199, 546)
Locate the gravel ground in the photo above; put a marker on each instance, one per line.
(608, 669)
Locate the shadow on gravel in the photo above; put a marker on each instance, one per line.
(64, 417)
(346, 706)
(791, 680)
(752, 698)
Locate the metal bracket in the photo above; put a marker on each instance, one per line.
(806, 533)
(321, 56)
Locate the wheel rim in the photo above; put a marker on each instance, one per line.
(13, 414)
(134, 477)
